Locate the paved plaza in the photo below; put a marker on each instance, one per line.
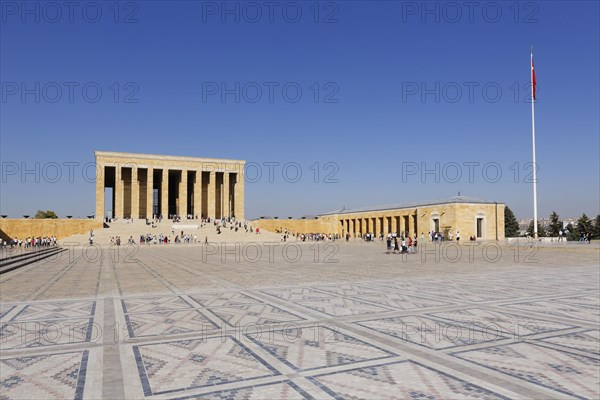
(310, 320)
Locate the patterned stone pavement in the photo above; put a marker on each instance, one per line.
(348, 323)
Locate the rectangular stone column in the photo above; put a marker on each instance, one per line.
(100, 171)
(239, 195)
(394, 224)
(182, 211)
(164, 195)
(377, 226)
(198, 195)
(135, 193)
(212, 198)
(119, 193)
(411, 226)
(150, 193)
(226, 208)
(366, 226)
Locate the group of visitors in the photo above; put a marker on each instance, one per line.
(154, 221)
(585, 237)
(187, 238)
(303, 237)
(367, 237)
(400, 245)
(317, 237)
(30, 242)
(218, 224)
(154, 239)
(436, 236)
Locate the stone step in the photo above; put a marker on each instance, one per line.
(30, 260)
(16, 254)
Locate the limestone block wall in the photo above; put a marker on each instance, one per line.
(321, 225)
(493, 220)
(61, 228)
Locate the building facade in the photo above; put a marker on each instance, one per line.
(470, 216)
(146, 185)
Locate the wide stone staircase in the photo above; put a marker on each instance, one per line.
(17, 257)
(124, 229)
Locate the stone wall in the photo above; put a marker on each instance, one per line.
(61, 228)
(321, 225)
(493, 218)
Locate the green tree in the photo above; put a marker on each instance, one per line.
(584, 224)
(511, 226)
(45, 214)
(597, 227)
(571, 233)
(555, 224)
(541, 231)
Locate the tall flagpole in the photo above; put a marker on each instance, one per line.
(533, 90)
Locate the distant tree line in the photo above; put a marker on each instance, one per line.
(584, 225)
(45, 214)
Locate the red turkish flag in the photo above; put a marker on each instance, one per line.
(533, 88)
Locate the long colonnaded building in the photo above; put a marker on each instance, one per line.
(470, 216)
(147, 185)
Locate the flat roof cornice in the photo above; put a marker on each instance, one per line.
(410, 205)
(141, 156)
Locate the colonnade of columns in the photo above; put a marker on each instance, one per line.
(379, 224)
(152, 191)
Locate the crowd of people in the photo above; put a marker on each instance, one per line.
(400, 245)
(433, 236)
(30, 242)
(219, 225)
(303, 237)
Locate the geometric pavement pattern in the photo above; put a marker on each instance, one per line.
(572, 374)
(44, 376)
(166, 326)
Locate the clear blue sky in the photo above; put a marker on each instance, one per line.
(366, 58)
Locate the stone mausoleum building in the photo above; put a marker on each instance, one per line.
(471, 216)
(146, 185)
(140, 186)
